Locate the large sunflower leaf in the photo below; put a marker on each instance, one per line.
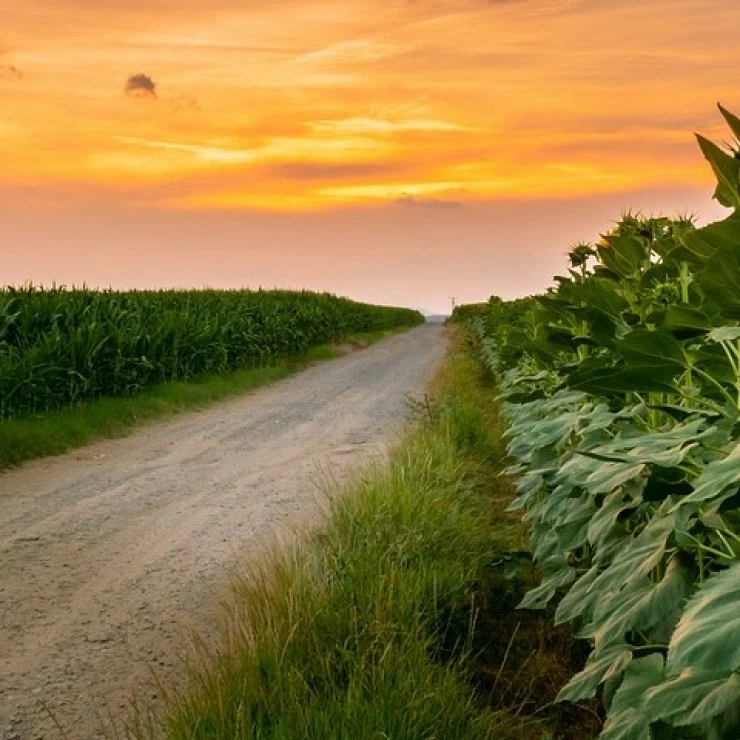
(548, 432)
(579, 599)
(708, 635)
(602, 297)
(703, 243)
(627, 719)
(572, 528)
(693, 697)
(629, 724)
(605, 533)
(546, 549)
(681, 317)
(635, 379)
(681, 413)
(639, 557)
(715, 479)
(644, 606)
(609, 475)
(720, 277)
(624, 255)
(539, 598)
(657, 349)
(732, 120)
(726, 169)
(666, 449)
(597, 670)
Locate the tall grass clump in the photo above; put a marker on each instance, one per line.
(393, 620)
(362, 629)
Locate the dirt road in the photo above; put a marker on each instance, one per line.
(109, 554)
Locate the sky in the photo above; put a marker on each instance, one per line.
(396, 151)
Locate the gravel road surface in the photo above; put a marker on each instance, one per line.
(110, 554)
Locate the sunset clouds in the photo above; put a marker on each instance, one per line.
(375, 99)
(302, 106)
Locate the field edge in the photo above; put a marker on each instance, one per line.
(57, 432)
(393, 619)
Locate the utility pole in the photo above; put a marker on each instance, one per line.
(453, 302)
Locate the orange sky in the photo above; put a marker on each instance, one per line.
(392, 150)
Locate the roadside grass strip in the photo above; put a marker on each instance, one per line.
(621, 388)
(368, 627)
(55, 432)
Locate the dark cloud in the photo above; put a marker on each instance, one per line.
(409, 201)
(141, 86)
(9, 71)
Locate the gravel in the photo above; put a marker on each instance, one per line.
(112, 555)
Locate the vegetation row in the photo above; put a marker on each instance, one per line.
(59, 347)
(622, 395)
(393, 620)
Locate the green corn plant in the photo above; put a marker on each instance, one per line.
(60, 347)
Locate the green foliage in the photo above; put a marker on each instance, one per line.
(622, 393)
(60, 347)
(363, 629)
(467, 312)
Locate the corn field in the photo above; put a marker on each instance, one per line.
(60, 347)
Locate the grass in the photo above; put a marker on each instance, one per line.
(392, 621)
(55, 432)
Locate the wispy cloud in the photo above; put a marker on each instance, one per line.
(349, 51)
(387, 126)
(203, 152)
(409, 201)
(10, 72)
(406, 193)
(331, 170)
(185, 103)
(376, 103)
